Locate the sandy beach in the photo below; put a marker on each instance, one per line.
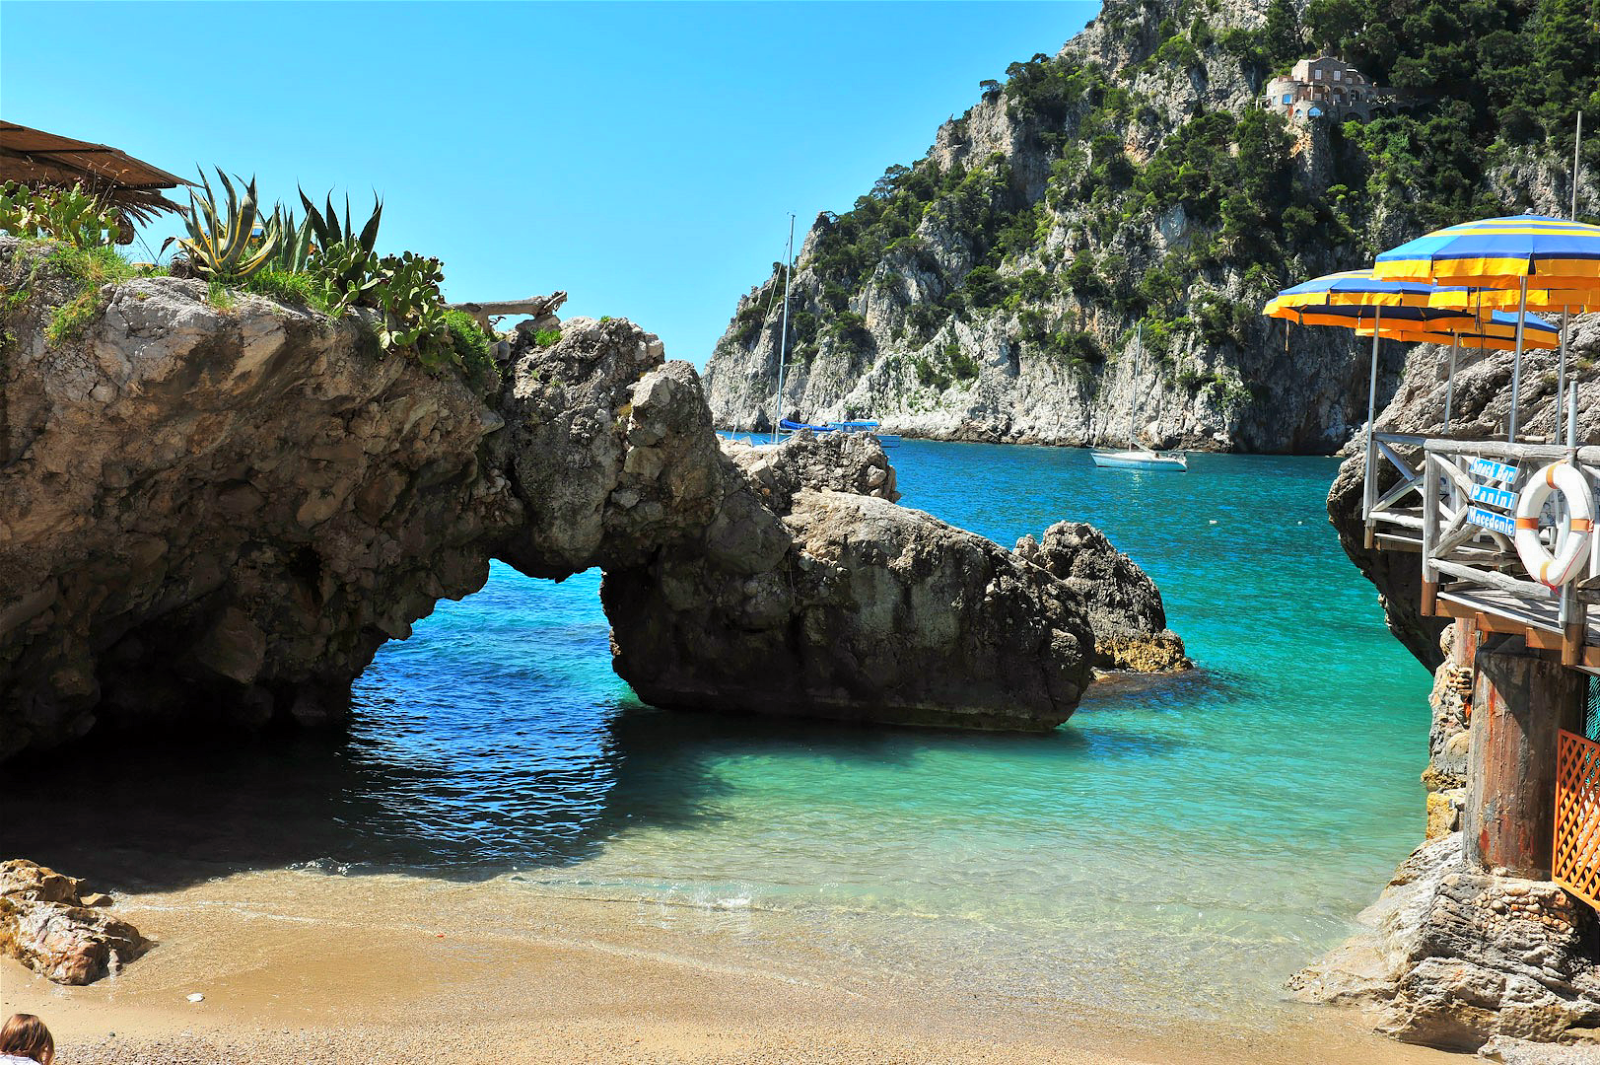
(307, 967)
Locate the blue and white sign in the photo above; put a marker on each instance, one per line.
(1488, 519)
(1490, 470)
(1494, 497)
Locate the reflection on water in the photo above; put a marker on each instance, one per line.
(1197, 838)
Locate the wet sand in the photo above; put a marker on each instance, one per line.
(307, 967)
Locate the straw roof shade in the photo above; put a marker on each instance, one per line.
(35, 158)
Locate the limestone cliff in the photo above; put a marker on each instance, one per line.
(991, 290)
(212, 516)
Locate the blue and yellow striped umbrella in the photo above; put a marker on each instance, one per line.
(1354, 288)
(1486, 300)
(1527, 252)
(1497, 333)
(1352, 315)
(1544, 253)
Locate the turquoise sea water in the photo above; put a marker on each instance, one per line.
(1189, 841)
(1200, 836)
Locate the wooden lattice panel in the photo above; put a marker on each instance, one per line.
(1576, 865)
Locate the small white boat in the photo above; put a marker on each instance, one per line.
(1139, 457)
(1142, 459)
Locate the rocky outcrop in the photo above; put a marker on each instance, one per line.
(1479, 410)
(59, 929)
(211, 517)
(854, 608)
(1453, 957)
(219, 515)
(1124, 604)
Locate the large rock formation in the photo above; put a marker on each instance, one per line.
(990, 291)
(58, 928)
(218, 514)
(214, 516)
(847, 606)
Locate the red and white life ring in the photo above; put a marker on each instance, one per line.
(1572, 537)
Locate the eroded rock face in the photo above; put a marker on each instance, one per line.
(57, 928)
(1123, 603)
(859, 610)
(213, 518)
(219, 515)
(1453, 957)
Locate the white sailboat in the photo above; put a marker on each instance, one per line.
(783, 425)
(1137, 456)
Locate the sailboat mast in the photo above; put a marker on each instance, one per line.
(783, 338)
(1133, 408)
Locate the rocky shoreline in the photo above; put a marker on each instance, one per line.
(1453, 955)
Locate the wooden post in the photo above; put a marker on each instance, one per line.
(1430, 530)
(1519, 701)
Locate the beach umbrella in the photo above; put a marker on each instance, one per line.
(1485, 301)
(1350, 299)
(1521, 252)
(1497, 333)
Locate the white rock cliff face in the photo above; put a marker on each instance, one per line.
(987, 373)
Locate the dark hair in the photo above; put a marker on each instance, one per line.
(26, 1034)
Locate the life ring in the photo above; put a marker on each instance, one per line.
(1572, 538)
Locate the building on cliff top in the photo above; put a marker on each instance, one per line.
(1326, 87)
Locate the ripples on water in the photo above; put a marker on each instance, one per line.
(1195, 839)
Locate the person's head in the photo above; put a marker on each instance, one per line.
(25, 1035)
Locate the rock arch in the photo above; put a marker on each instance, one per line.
(212, 518)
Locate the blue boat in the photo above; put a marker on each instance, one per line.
(871, 428)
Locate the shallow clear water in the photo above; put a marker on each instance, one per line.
(1192, 839)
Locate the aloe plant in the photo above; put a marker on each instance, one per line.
(219, 244)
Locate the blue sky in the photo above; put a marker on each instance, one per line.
(644, 157)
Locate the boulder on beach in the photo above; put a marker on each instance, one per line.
(58, 928)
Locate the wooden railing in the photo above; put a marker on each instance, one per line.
(1453, 502)
(1389, 509)
(1575, 864)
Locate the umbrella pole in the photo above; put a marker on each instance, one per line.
(1572, 414)
(1371, 497)
(1516, 365)
(1561, 382)
(1450, 382)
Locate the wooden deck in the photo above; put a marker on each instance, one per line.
(1493, 610)
(1470, 568)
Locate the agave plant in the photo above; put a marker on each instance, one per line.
(325, 224)
(293, 252)
(219, 245)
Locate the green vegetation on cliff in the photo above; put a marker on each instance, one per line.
(1111, 205)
